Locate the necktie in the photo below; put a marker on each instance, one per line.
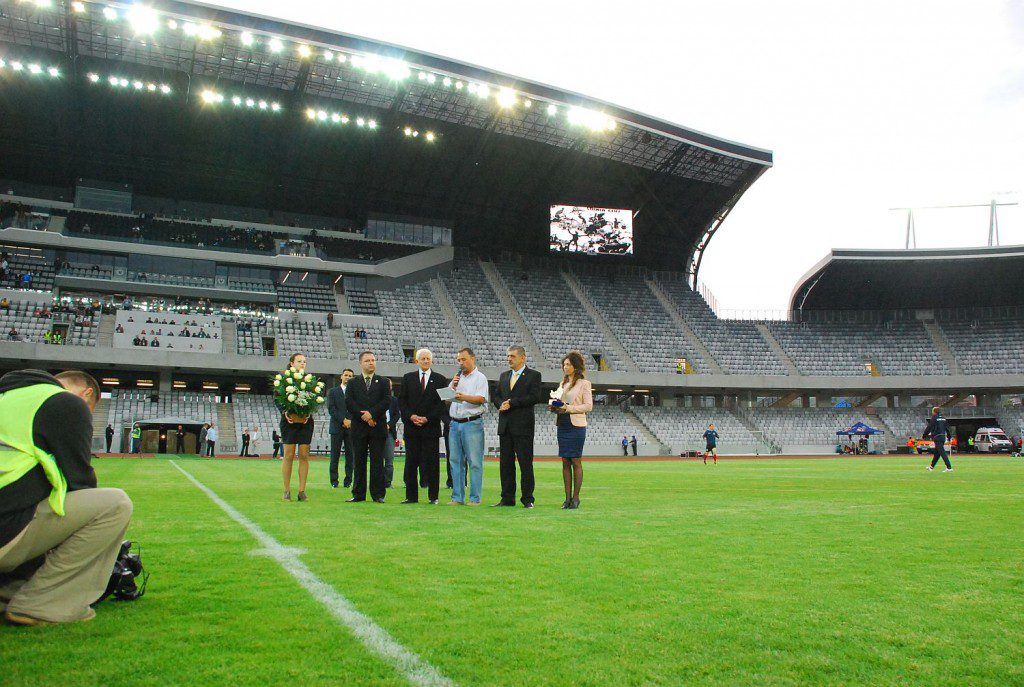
(515, 378)
(367, 381)
(423, 381)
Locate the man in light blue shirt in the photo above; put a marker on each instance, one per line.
(467, 430)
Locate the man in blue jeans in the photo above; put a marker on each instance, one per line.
(467, 429)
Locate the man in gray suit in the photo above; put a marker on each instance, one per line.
(339, 430)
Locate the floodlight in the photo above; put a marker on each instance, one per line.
(110, 13)
(360, 121)
(483, 91)
(276, 107)
(143, 20)
(165, 89)
(53, 71)
(415, 134)
(208, 33)
(275, 45)
(304, 51)
(328, 56)
(43, 3)
(91, 76)
(527, 103)
(263, 104)
(249, 102)
(3, 63)
(321, 115)
(246, 38)
(114, 81)
(344, 119)
(151, 87)
(447, 82)
(472, 88)
(236, 100)
(78, 7)
(336, 118)
(172, 24)
(552, 110)
(458, 85)
(431, 78)
(430, 136)
(342, 58)
(506, 97)
(372, 124)
(422, 76)
(211, 96)
(189, 28)
(35, 68)
(17, 66)
(407, 131)
(123, 83)
(138, 85)
(311, 113)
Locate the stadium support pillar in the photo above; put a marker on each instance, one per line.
(903, 400)
(805, 401)
(165, 381)
(983, 399)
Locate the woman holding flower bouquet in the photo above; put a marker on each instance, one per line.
(298, 395)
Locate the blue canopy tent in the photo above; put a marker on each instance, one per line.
(859, 430)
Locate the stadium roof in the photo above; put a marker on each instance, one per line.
(449, 140)
(934, 278)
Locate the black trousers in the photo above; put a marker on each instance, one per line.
(209, 447)
(368, 446)
(940, 452)
(278, 449)
(245, 448)
(179, 444)
(341, 440)
(516, 447)
(634, 448)
(422, 454)
(109, 441)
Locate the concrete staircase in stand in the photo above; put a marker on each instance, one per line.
(99, 425)
(444, 301)
(602, 325)
(229, 337)
(942, 346)
(105, 331)
(340, 344)
(227, 435)
(777, 348)
(645, 432)
(680, 323)
(501, 291)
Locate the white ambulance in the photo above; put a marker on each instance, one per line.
(992, 440)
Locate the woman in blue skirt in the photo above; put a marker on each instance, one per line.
(571, 401)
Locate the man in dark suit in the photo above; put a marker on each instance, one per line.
(340, 428)
(519, 389)
(393, 416)
(109, 432)
(179, 440)
(245, 442)
(422, 410)
(368, 398)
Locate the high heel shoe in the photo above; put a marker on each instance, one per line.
(566, 504)
(287, 496)
(574, 504)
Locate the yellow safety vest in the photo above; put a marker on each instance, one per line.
(18, 452)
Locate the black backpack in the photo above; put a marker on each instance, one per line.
(128, 580)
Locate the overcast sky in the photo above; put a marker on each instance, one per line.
(867, 106)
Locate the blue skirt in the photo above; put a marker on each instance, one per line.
(570, 438)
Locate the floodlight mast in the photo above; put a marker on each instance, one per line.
(993, 220)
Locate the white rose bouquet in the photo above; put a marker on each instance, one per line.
(297, 394)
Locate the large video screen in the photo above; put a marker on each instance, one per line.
(597, 231)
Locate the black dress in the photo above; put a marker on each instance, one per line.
(295, 433)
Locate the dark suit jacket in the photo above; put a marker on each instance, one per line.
(376, 399)
(519, 419)
(337, 409)
(415, 401)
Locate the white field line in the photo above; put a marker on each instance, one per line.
(373, 636)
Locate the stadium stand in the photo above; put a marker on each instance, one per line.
(255, 411)
(128, 406)
(361, 302)
(179, 333)
(799, 430)
(412, 320)
(972, 344)
(311, 338)
(480, 313)
(639, 321)
(682, 429)
(175, 232)
(895, 348)
(306, 297)
(555, 316)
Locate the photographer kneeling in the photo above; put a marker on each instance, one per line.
(50, 509)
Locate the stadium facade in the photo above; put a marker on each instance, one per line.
(297, 189)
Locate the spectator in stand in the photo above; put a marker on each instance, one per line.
(155, 343)
(13, 334)
(5, 304)
(3, 270)
(26, 280)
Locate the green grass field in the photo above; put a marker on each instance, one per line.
(772, 572)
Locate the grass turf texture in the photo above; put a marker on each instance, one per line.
(780, 572)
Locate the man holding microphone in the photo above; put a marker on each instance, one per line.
(467, 429)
